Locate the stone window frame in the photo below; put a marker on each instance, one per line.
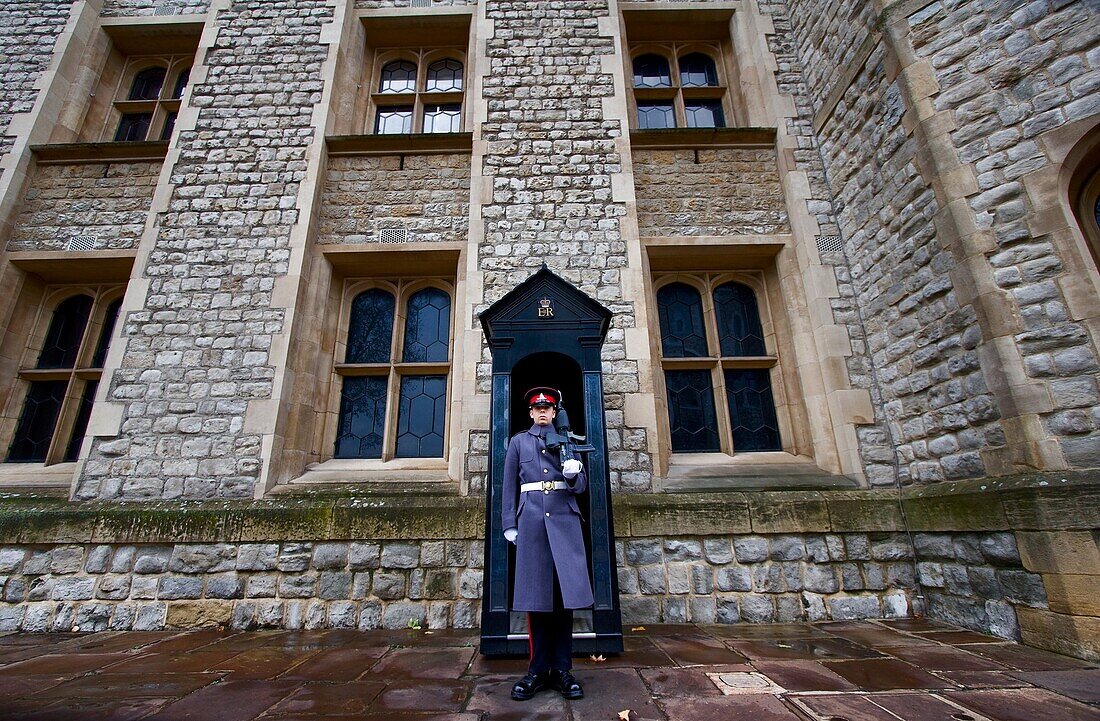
(419, 99)
(402, 289)
(706, 282)
(1086, 210)
(672, 52)
(163, 109)
(103, 296)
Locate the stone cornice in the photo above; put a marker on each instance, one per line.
(419, 144)
(110, 152)
(673, 138)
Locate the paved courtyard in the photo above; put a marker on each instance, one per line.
(914, 670)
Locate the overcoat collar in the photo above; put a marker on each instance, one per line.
(537, 430)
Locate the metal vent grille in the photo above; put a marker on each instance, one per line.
(392, 235)
(81, 242)
(829, 244)
(165, 9)
(420, 3)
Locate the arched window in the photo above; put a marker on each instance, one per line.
(651, 71)
(181, 83)
(412, 378)
(59, 400)
(697, 70)
(149, 108)
(444, 76)
(398, 76)
(147, 84)
(716, 369)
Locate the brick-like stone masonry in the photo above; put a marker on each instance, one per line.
(708, 192)
(429, 195)
(28, 33)
(197, 352)
(108, 201)
(1007, 73)
(550, 158)
(123, 8)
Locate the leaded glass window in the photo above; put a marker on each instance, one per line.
(651, 71)
(62, 382)
(717, 367)
(133, 126)
(394, 120)
(394, 384)
(181, 83)
(148, 101)
(678, 86)
(697, 70)
(444, 76)
(398, 77)
(147, 84)
(704, 114)
(655, 115)
(419, 93)
(442, 118)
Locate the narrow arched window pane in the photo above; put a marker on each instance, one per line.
(370, 327)
(428, 327)
(444, 76)
(181, 83)
(421, 416)
(83, 413)
(655, 114)
(692, 419)
(680, 310)
(442, 118)
(752, 411)
(739, 330)
(133, 126)
(147, 84)
(398, 77)
(705, 114)
(394, 121)
(362, 417)
(651, 71)
(65, 332)
(697, 70)
(36, 422)
(109, 320)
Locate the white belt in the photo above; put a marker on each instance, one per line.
(544, 486)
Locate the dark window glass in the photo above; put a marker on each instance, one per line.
(398, 77)
(739, 329)
(444, 75)
(169, 126)
(654, 115)
(651, 71)
(1098, 211)
(66, 330)
(147, 84)
(83, 413)
(705, 114)
(181, 83)
(394, 121)
(680, 310)
(697, 70)
(37, 421)
(442, 118)
(691, 414)
(109, 320)
(133, 126)
(362, 417)
(420, 417)
(752, 410)
(370, 328)
(427, 327)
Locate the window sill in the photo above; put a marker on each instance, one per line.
(417, 471)
(743, 471)
(412, 144)
(674, 138)
(108, 152)
(36, 475)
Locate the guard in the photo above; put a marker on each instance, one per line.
(540, 515)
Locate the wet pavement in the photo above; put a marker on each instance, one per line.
(910, 669)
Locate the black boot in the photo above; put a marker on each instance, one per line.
(563, 682)
(528, 686)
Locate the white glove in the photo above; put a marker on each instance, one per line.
(571, 468)
(511, 534)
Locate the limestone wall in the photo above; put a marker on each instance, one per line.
(196, 353)
(108, 201)
(122, 8)
(28, 32)
(708, 192)
(429, 195)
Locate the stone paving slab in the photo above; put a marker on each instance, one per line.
(900, 670)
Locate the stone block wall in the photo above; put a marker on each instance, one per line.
(28, 33)
(370, 584)
(766, 578)
(429, 195)
(708, 192)
(109, 201)
(123, 8)
(382, 4)
(197, 351)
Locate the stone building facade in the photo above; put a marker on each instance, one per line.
(905, 190)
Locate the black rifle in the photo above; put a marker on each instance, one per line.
(560, 438)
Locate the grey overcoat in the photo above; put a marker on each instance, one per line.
(549, 526)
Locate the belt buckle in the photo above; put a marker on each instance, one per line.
(547, 486)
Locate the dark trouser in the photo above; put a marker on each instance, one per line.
(551, 634)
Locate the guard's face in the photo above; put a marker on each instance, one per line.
(543, 415)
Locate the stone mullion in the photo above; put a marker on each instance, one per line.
(1020, 401)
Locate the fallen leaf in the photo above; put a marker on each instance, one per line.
(597, 659)
(624, 715)
(638, 628)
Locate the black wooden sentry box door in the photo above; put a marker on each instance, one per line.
(547, 332)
